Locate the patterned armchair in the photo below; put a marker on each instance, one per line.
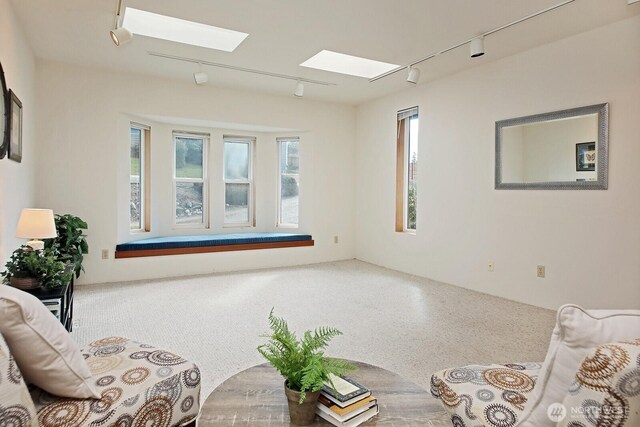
(590, 377)
(140, 385)
(491, 395)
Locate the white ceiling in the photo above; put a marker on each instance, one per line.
(284, 33)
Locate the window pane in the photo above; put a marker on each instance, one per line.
(236, 209)
(135, 205)
(289, 181)
(289, 157)
(236, 160)
(189, 203)
(289, 199)
(412, 199)
(189, 157)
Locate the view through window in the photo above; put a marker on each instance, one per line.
(238, 181)
(190, 179)
(138, 178)
(288, 190)
(407, 170)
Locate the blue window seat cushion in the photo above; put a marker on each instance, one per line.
(174, 242)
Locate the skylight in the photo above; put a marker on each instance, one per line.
(178, 30)
(347, 64)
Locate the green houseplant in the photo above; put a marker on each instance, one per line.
(44, 266)
(71, 242)
(302, 364)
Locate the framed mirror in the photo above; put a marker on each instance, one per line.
(4, 116)
(561, 150)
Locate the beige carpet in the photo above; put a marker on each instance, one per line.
(409, 325)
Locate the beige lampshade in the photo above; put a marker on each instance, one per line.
(36, 224)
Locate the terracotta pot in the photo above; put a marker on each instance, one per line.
(301, 414)
(24, 282)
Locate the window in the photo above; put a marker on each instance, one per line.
(289, 184)
(238, 181)
(190, 179)
(139, 177)
(406, 170)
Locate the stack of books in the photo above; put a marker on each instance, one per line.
(349, 405)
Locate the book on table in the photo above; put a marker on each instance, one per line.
(346, 413)
(353, 422)
(347, 391)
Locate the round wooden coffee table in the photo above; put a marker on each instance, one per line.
(256, 397)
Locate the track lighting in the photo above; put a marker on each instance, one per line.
(200, 77)
(120, 35)
(477, 47)
(414, 75)
(299, 92)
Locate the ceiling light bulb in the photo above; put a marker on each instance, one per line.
(299, 92)
(200, 77)
(477, 47)
(121, 36)
(414, 75)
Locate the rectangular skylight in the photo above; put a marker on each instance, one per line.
(179, 30)
(347, 64)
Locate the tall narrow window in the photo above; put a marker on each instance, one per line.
(238, 181)
(139, 178)
(288, 187)
(406, 170)
(190, 179)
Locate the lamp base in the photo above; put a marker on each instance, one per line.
(36, 245)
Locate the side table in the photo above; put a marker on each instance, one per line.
(59, 301)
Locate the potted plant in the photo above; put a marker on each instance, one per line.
(302, 364)
(71, 243)
(28, 269)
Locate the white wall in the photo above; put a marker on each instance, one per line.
(17, 180)
(589, 241)
(83, 127)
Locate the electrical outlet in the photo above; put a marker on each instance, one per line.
(540, 271)
(105, 254)
(335, 239)
(491, 266)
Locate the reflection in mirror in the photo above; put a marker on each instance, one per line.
(559, 150)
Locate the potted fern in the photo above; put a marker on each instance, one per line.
(302, 364)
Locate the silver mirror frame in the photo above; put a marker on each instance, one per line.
(603, 150)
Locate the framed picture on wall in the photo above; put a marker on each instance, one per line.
(586, 156)
(15, 127)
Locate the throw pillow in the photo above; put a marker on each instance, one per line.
(606, 388)
(42, 348)
(576, 333)
(16, 406)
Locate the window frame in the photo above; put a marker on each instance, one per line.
(403, 143)
(251, 142)
(204, 180)
(144, 174)
(279, 223)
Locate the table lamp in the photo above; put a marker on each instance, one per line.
(36, 224)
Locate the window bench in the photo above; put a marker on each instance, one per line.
(177, 245)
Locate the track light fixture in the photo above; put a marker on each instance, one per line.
(476, 44)
(477, 47)
(200, 77)
(299, 92)
(120, 35)
(413, 74)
